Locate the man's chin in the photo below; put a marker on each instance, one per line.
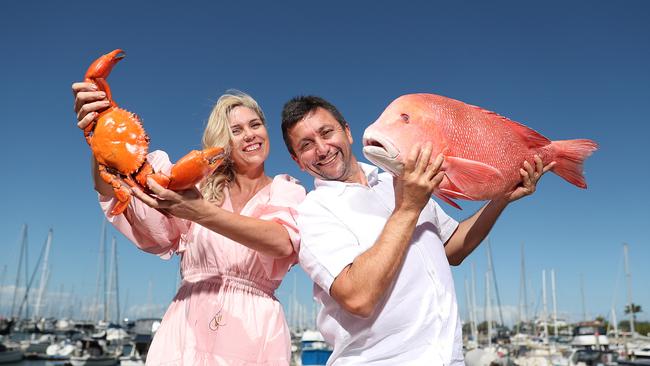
(323, 175)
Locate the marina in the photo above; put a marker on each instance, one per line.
(31, 337)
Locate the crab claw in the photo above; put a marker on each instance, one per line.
(101, 68)
(97, 74)
(191, 169)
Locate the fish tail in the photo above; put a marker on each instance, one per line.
(569, 156)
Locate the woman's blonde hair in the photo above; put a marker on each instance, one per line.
(217, 133)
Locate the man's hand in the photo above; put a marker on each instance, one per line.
(188, 204)
(529, 178)
(415, 185)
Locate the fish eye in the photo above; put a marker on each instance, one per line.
(405, 117)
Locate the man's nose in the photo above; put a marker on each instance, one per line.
(321, 147)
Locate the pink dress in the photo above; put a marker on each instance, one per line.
(225, 312)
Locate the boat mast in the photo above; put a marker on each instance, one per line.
(615, 322)
(29, 284)
(488, 308)
(44, 276)
(582, 291)
(126, 304)
(494, 278)
(117, 283)
(544, 316)
(523, 294)
(113, 291)
(475, 324)
(468, 306)
(22, 258)
(101, 276)
(2, 282)
(628, 277)
(554, 302)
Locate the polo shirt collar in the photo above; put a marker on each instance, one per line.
(371, 172)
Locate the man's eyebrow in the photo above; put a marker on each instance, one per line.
(323, 127)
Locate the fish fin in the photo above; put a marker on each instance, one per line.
(569, 157)
(444, 197)
(456, 194)
(469, 172)
(533, 138)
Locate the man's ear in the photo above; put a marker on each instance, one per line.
(349, 133)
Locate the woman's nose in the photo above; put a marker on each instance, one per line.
(248, 134)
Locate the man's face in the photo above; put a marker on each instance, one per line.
(322, 147)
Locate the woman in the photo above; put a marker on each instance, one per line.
(237, 238)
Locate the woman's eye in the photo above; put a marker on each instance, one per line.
(405, 117)
(236, 131)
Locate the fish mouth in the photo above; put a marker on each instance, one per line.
(382, 152)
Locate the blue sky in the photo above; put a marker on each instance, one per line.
(567, 69)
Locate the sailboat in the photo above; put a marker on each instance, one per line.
(37, 346)
(9, 355)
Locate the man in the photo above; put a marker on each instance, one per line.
(378, 248)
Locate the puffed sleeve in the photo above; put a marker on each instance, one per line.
(148, 229)
(285, 195)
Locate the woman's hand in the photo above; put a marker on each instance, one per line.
(88, 102)
(188, 204)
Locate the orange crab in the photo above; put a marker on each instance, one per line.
(120, 143)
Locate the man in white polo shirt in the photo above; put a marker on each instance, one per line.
(378, 248)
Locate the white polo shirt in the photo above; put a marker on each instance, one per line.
(416, 323)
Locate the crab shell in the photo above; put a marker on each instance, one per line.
(119, 141)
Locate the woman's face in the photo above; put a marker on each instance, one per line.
(250, 143)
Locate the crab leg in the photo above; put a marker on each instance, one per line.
(191, 169)
(121, 193)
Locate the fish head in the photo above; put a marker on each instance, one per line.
(408, 120)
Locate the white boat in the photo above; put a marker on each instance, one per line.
(37, 346)
(589, 335)
(89, 360)
(586, 356)
(8, 355)
(134, 353)
(641, 353)
(60, 350)
(93, 353)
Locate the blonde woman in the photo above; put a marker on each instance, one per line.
(236, 236)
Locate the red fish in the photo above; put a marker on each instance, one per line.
(483, 151)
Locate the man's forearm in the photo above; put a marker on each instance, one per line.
(361, 285)
(471, 232)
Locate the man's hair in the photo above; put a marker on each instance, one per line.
(300, 107)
